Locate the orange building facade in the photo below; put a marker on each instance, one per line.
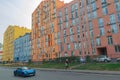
(44, 30)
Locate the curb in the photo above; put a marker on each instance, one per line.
(82, 71)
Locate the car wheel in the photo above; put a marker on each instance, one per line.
(33, 74)
(105, 61)
(15, 74)
(23, 75)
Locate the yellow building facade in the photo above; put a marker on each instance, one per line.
(11, 33)
(44, 30)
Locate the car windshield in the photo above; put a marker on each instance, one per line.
(25, 68)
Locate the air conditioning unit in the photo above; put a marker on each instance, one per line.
(119, 24)
(108, 23)
(109, 31)
(98, 7)
(108, 3)
(98, 35)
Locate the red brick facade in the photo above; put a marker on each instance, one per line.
(89, 28)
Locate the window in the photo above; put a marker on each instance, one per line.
(98, 43)
(47, 41)
(80, 52)
(89, 16)
(85, 45)
(88, 8)
(72, 53)
(64, 39)
(100, 22)
(64, 32)
(68, 46)
(102, 31)
(117, 48)
(73, 8)
(86, 35)
(66, 24)
(78, 29)
(94, 14)
(71, 38)
(105, 11)
(110, 41)
(92, 1)
(93, 51)
(116, 0)
(118, 6)
(60, 20)
(87, 2)
(66, 11)
(66, 18)
(84, 18)
(60, 26)
(62, 47)
(81, 11)
(78, 37)
(90, 25)
(92, 43)
(58, 34)
(75, 46)
(118, 17)
(73, 21)
(103, 1)
(83, 29)
(80, 46)
(83, 3)
(58, 37)
(76, 20)
(112, 19)
(91, 34)
(93, 6)
(76, 13)
(71, 31)
(52, 27)
(114, 28)
(60, 14)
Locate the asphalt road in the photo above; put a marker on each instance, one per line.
(7, 74)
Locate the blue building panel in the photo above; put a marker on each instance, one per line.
(22, 48)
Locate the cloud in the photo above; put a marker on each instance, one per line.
(16, 12)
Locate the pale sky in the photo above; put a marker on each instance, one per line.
(17, 12)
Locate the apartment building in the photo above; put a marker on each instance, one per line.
(44, 30)
(89, 27)
(11, 33)
(22, 48)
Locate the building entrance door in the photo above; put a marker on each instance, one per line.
(102, 51)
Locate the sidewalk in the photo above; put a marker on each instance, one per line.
(82, 71)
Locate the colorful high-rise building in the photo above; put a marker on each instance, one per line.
(44, 30)
(89, 27)
(22, 48)
(10, 35)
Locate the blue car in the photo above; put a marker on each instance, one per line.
(24, 72)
